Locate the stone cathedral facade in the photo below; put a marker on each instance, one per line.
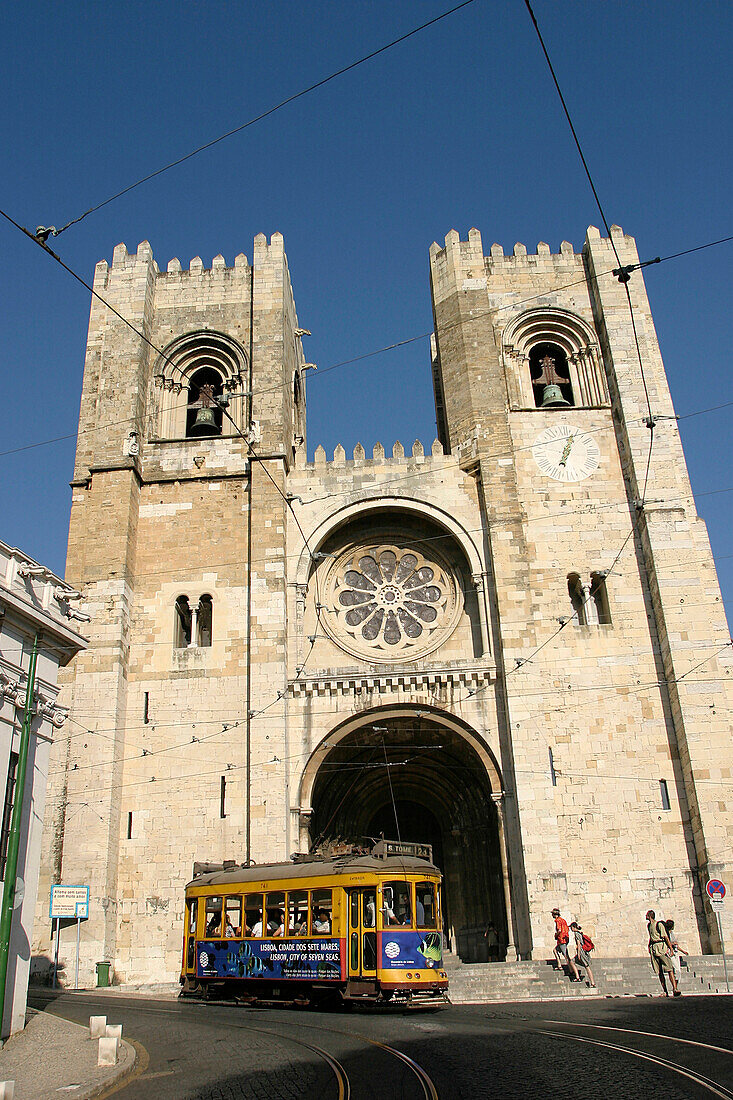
(505, 623)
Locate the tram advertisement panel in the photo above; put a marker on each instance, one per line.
(314, 960)
(405, 950)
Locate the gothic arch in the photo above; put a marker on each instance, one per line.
(180, 360)
(573, 336)
(380, 714)
(418, 774)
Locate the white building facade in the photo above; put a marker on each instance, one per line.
(34, 603)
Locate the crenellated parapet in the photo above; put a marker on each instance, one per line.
(124, 261)
(379, 457)
(467, 257)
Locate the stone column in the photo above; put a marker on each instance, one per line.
(511, 947)
(479, 581)
(589, 605)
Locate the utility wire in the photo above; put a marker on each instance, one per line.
(42, 243)
(622, 273)
(377, 351)
(264, 114)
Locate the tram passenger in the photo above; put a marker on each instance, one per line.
(389, 914)
(213, 928)
(276, 923)
(256, 930)
(321, 922)
(231, 932)
(300, 925)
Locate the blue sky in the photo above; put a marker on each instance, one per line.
(458, 126)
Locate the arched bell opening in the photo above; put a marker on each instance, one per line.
(204, 415)
(550, 373)
(414, 779)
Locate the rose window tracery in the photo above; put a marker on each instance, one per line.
(391, 600)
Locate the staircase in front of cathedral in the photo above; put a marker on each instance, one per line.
(473, 983)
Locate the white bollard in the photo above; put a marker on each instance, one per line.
(97, 1026)
(7, 1090)
(108, 1052)
(114, 1031)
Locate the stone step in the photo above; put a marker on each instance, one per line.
(538, 980)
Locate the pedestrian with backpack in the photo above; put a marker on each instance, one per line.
(562, 938)
(583, 947)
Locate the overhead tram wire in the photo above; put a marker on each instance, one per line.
(254, 455)
(263, 114)
(44, 245)
(622, 273)
(380, 351)
(582, 689)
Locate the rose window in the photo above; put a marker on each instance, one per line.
(391, 599)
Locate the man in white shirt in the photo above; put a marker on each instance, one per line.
(321, 922)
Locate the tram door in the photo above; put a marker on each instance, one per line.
(363, 932)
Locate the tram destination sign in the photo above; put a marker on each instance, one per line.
(403, 848)
(69, 902)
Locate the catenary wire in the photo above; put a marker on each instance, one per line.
(378, 351)
(621, 272)
(265, 114)
(300, 669)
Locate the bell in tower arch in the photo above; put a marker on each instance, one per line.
(550, 377)
(552, 398)
(203, 414)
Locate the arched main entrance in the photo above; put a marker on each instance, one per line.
(411, 777)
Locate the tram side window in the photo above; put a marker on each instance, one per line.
(396, 908)
(275, 906)
(213, 916)
(233, 917)
(425, 908)
(322, 912)
(253, 915)
(298, 913)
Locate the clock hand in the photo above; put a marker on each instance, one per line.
(566, 451)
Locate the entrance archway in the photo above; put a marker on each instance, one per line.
(410, 777)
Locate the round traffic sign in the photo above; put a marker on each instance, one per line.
(716, 889)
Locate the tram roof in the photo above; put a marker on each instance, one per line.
(317, 868)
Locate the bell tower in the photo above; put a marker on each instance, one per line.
(589, 524)
(191, 416)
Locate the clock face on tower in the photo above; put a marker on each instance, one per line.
(566, 453)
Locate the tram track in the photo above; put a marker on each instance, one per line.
(699, 1079)
(339, 1059)
(341, 1077)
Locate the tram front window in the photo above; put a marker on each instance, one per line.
(298, 913)
(425, 908)
(253, 915)
(213, 916)
(322, 913)
(370, 909)
(396, 908)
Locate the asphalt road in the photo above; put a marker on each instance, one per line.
(579, 1050)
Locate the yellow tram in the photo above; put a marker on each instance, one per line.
(363, 926)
